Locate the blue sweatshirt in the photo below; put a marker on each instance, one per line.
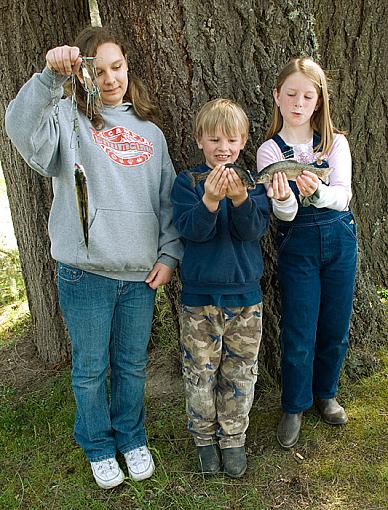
(222, 253)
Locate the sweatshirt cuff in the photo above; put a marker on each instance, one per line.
(52, 79)
(334, 197)
(285, 210)
(312, 199)
(243, 209)
(284, 204)
(204, 212)
(168, 261)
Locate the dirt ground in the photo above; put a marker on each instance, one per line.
(20, 369)
(22, 372)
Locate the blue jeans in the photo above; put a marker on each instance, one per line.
(316, 264)
(109, 323)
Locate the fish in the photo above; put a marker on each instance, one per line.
(81, 190)
(292, 169)
(244, 174)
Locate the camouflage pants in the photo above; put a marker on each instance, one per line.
(219, 350)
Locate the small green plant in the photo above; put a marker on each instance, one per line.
(164, 326)
(11, 280)
(383, 293)
(14, 313)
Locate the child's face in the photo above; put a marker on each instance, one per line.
(297, 100)
(219, 148)
(112, 76)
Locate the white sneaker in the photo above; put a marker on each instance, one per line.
(140, 463)
(107, 473)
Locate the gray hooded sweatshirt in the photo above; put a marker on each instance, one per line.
(129, 179)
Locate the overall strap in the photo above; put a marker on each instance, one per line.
(287, 151)
(316, 139)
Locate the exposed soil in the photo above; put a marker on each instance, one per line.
(22, 372)
(163, 374)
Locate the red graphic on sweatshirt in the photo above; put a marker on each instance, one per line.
(123, 146)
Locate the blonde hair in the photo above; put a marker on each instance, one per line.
(223, 114)
(88, 42)
(320, 120)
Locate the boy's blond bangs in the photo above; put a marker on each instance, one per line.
(224, 115)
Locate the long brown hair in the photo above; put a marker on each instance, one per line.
(320, 120)
(88, 41)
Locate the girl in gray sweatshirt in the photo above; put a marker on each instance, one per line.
(107, 278)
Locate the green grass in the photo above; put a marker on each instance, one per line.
(14, 313)
(41, 467)
(331, 468)
(163, 326)
(383, 295)
(11, 279)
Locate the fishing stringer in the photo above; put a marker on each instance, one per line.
(89, 83)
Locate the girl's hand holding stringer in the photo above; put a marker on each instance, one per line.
(160, 274)
(236, 191)
(279, 189)
(64, 60)
(307, 183)
(216, 185)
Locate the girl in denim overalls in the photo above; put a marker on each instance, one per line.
(317, 246)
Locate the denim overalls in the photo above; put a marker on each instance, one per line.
(317, 258)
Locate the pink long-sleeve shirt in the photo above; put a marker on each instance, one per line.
(335, 196)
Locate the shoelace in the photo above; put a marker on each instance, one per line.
(106, 466)
(138, 456)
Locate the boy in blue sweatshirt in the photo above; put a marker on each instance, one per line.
(221, 224)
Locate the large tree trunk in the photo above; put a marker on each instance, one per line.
(189, 52)
(353, 45)
(29, 29)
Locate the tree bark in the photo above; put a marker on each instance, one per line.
(353, 44)
(29, 29)
(189, 52)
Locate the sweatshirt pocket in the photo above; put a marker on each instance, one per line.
(121, 241)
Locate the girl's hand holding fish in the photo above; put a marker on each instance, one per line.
(216, 185)
(279, 189)
(236, 191)
(64, 60)
(307, 183)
